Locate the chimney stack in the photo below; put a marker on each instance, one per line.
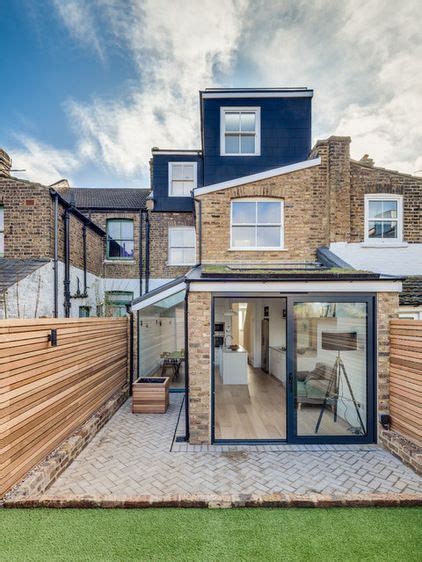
(5, 164)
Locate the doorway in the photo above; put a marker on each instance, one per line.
(249, 369)
(293, 368)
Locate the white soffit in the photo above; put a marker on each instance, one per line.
(257, 177)
(159, 296)
(249, 94)
(234, 286)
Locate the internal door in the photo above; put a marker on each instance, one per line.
(330, 369)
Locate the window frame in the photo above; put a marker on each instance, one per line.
(226, 109)
(117, 303)
(170, 174)
(120, 258)
(2, 246)
(257, 224)
(399, 220)
(169, 262)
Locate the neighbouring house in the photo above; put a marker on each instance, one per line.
(297, 259)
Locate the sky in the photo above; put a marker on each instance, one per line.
(88, 87)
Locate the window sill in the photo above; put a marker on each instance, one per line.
(258, 250)
(384, 245)
(242, 154)
(120, 262)
(180, 264)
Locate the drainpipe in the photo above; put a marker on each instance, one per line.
(187, 432)
(199, 227)
(147, 249)
(131, 353)
(84, 257)
(66, 282)
(141, 264)
(56, 255)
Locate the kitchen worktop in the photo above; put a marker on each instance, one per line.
(239, 350)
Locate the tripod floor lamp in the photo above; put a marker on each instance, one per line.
(338, 341)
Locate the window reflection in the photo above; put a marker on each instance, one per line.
(162, 340)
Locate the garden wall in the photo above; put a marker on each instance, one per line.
(47, 391)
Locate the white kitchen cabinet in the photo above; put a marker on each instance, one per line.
(278, 364)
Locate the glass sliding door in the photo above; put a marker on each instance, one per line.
(331, 374)
(249, 369)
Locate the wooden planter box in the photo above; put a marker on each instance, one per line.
(150, 395)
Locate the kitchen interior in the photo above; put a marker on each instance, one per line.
(250, 368)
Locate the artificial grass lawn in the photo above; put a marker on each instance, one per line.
(200, 534)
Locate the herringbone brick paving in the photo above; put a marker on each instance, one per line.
(134, 455)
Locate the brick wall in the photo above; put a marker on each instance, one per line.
(29, 226)
(200, 362)
(122, 269)
(199, 326)
(95, 244)
(159, 225)
(27, 219)
(367, 179)
(305, 217)
(387, 305)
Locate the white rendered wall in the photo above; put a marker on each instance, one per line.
(405, 259)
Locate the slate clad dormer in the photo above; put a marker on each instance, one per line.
(174, 174)
(243, 132)
(246, 131)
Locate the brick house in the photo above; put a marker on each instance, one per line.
(297, 258)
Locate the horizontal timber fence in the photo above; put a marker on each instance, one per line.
(406, 378)
(54, 375)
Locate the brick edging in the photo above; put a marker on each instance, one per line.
(42, 476)
(222, 501)
(408, 452)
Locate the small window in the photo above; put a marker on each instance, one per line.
(118, 302)
(120, 244)
(257, 224)
(383, 218)
(1, 231)
(84, 311)
(240, 131)
(182, 245)
(182, 178)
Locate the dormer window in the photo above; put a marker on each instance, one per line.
(182, 178)
(240, 129)
(383, 218)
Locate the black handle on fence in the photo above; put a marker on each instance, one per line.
(52, 337)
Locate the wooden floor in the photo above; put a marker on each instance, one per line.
(258, 410)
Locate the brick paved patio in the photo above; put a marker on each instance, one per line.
(135, 457)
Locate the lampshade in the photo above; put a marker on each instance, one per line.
(339, 341)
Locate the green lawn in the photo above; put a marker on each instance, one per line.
(200, 534)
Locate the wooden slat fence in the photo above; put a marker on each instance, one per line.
(406, 378)
(46, 392)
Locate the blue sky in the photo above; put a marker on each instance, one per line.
(89, 86)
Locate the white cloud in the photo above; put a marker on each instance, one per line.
(362, 58)
(177, 51)
(79, 18)
(43, 163)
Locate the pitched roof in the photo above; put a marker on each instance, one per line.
(412, 291)
(106, 198)
(12, 271)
